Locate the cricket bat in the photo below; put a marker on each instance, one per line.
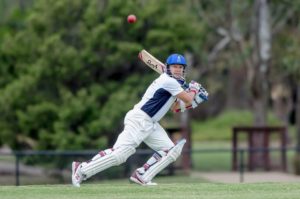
(152, 62)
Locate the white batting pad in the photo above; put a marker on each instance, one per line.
(172, 155)
(98, 164)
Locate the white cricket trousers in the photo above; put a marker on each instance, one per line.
(138, 128)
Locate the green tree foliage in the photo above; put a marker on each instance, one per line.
(287, 42)
(70, 72)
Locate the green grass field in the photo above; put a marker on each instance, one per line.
(173, 190)
(220, 127)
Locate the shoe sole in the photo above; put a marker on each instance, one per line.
(134, 180)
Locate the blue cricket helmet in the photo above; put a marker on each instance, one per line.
(176, 59)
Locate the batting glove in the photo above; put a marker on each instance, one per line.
(194, 87)
(201, 96)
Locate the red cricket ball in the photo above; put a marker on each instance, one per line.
(131, 18)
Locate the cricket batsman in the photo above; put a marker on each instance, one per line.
(141, 124)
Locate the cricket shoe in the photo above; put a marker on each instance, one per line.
(135, 177)
(77, 177)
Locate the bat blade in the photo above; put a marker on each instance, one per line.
(152, 62)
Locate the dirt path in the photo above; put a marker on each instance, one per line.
(248, 177)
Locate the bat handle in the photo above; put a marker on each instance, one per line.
(185, 86)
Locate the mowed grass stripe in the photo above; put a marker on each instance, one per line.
(163, 190)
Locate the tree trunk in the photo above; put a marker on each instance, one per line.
(298, 118)
(185, 125)
(259, 84)
(297, 155)
(186, 131)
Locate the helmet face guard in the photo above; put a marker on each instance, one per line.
(178, 60)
